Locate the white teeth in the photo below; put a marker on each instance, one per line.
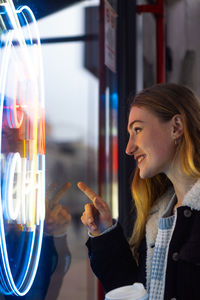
(141, 158)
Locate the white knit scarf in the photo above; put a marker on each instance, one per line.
(191, 199)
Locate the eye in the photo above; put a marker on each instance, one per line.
(137, 129)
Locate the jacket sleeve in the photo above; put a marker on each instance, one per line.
(111, 259)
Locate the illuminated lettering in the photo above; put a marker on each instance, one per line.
(23, 191)
(14, 109)
(12, 186)
(22, 117)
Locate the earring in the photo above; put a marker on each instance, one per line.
(176, 141)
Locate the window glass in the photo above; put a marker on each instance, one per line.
(71, 92)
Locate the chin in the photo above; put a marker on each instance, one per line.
(147, 174)
(143, 175)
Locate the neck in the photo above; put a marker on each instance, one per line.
(182, 184)
(181, 188)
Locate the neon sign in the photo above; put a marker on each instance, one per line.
(22, 149)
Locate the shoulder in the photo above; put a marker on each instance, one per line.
(192, 197)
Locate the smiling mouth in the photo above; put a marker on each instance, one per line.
(140, 159)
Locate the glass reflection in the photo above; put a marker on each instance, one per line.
(72, 124)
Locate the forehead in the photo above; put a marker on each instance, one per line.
(140, 114)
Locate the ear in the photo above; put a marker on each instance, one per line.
(177, 126)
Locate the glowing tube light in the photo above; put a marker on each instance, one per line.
(11, 204)
(22, 172)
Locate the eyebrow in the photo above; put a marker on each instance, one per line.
(135, 121)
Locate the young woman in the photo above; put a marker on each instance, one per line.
(164, 250)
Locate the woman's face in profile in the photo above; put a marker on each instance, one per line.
(150, 142)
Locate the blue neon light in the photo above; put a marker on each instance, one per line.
(9, 283)
(114, 101)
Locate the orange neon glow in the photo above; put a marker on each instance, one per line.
(16, 112)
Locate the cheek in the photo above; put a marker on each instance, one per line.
(161, 146)
(164, 153)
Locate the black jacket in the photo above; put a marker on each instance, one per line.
(112, 261)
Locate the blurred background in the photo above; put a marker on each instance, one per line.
(95, 53)
(71, 97)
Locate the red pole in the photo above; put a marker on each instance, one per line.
(158, 11)
(160, 42)
(100, 291)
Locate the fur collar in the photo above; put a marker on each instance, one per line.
(191, 199)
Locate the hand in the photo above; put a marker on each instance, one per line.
(57, 220)
(57, 216)
(97, 216)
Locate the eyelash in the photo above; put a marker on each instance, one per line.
(136, 129)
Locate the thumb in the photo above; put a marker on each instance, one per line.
(105, 216)
(98, 205)
(102, 207)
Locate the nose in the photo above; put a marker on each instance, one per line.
(131, 146)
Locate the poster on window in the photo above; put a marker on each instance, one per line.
(110, 36)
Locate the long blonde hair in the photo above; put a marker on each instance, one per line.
(165, 101)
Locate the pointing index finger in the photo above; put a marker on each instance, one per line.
(60, 193)
(87, 191)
